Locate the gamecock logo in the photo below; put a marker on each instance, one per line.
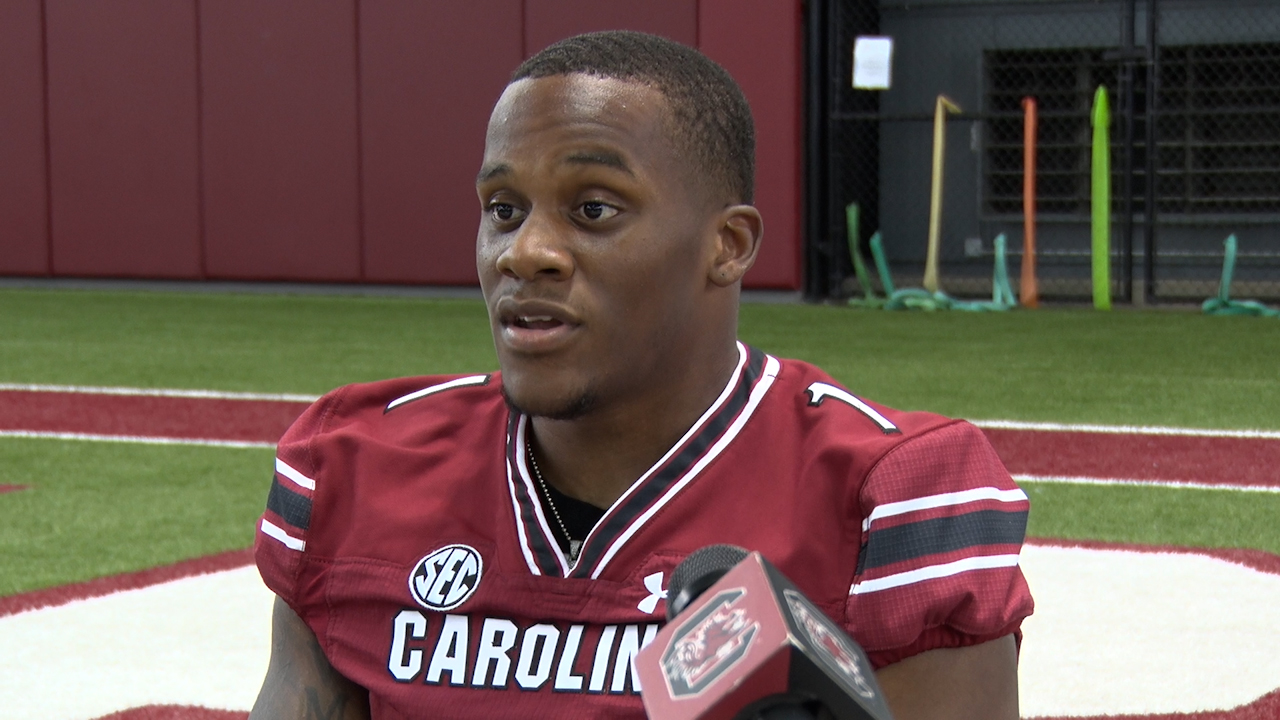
(708, 644)
(445, 579)
(829, 642)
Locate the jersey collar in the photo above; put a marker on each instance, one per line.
(707, 438)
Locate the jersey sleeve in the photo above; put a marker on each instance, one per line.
(285, 525)
(942, 528)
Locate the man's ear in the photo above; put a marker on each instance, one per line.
(738, 234)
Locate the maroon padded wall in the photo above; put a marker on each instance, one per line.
(547, 21)
(122, 138)
(315, 140)
(429, 77)
(281, 185)
(760, 43)
(24, 232)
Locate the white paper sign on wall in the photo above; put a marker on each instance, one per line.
(872, 62)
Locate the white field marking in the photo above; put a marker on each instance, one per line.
(294, 397)
(140, 439)
(1127, 429)
(201, 641)
(1115, 632)
(1069, 480)
(1120, 632)
(158, 392)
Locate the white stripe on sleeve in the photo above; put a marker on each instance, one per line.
(931, 572)
(448, 385)
(943, 500)
(278, 533)
(302, 480)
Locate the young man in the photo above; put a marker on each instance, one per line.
(498, 545)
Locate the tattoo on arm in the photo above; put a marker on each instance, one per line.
(300, 682)
(314, 706)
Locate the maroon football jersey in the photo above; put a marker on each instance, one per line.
(404, 528)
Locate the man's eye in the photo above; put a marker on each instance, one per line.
(502, 212)
(598, 211)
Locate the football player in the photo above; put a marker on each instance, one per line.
(497, 545)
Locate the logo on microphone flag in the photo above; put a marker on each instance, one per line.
(709, 644)
(832, 645)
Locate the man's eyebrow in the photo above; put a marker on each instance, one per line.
(602, 157)
(492, 171)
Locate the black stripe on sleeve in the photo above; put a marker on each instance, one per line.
(292, 507)
(943, 535)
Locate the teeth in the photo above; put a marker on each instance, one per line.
(536, 318)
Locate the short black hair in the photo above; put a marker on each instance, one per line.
(711, 117)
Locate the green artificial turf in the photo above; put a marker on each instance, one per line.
(94, 509)
(1124, 367)
(266, 343)
(1155, 515)
(99, 509)
(1127, 367)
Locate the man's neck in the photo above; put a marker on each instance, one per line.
(597, 457)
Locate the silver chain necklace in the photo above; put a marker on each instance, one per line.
(575, 546)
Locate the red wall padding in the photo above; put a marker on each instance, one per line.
(759, 43)
(430, 74)
(280, 142)
(547, 21)
(24, 233)
(122, 138)
(315, 140)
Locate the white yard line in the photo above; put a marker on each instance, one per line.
(1127, 429)
(158, 392)
(992, 424)
(1072, 480)
(139, 439)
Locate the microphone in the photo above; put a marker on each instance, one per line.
(743, 643)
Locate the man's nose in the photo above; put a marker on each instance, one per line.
(537, 249)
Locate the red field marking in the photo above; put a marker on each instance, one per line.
(175, 712)
(170, 417)
(11, 488)
(1249, 462)
(63, 594)
(1158, 458)
(1266, 707)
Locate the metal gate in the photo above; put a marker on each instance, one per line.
(1194, 92)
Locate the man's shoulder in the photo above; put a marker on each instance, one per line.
(829, 410)
(400, 402)
(347, 463)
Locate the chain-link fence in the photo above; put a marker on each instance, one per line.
(1210, 82)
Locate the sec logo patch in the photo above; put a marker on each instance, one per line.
(445, 579)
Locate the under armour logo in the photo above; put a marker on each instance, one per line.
(652, 583)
